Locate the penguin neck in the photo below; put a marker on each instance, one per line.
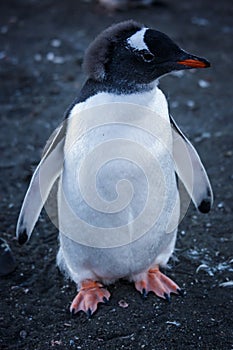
(94, 92)
(120, 87)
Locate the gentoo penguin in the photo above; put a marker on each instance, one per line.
(118, 155)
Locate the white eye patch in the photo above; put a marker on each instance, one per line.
(136, 41)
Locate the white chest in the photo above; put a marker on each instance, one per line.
(118, 186)
(118, 164)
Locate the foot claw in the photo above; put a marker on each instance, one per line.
(89, 313)
(105, 300)
(144, 293)
(180, 292)
(73, 312)
(167, 297)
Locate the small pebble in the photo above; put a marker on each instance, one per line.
(220, 205)
(56, 342)
(191, 104)
(203, 83)
(174, 104)
(55, 59)
(226, 284)
(23, 334)
(202, 267)
(122, 303)
(38, 57)
(56, 43)
(177, 74)
(58, 60)
(175, 323)
(204, 135)
(200, 21)
(50, 56)
(67, 324)
(228, 154)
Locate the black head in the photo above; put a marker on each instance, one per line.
(133, 54)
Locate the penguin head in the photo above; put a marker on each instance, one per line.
(130, 53)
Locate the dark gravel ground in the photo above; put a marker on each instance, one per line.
(39, 78)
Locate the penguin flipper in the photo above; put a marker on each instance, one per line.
(191, 171)
(46, 173)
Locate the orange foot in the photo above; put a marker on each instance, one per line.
(90, 294)
(159, 284)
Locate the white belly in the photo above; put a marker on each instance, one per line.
(118, 200)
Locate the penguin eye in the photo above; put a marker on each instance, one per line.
(147, 56)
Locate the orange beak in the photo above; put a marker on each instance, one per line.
(195, 63)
